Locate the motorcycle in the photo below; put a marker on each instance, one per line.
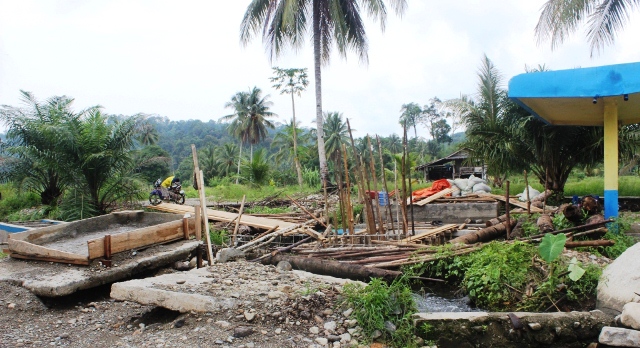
(174, 193)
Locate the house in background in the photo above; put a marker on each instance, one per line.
(452, 167)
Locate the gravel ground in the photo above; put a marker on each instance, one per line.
(309, 317)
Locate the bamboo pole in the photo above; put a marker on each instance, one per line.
(348, 198)
(205, 217)
(405, 227)
(375, 184)
(386, 189)
(370, 214)
(361, 183)
(198, 177)
(306, 211)
(234, 240)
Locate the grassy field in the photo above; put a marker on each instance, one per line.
(627, 186)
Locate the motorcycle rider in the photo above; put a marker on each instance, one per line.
(167, 183)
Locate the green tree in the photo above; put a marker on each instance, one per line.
(411, 116)
(292, 81)
(33, 132)
(336, 134)
(249, 122)
(286, 22)
(605, 18)
(508, 138)
(98, 152)
(147, 133)
(225, 157)
(256, 169)
(152, 162)
(283, 141)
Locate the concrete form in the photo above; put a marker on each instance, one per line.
(81, 241)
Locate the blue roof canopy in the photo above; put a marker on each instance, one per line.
(566, 97)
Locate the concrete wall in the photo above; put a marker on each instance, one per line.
(453, 212)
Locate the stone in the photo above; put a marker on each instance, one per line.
(278, 331)
(11, 305)
(376, 334)
(322, 341)
(351, 322)
(223, 324)
(284, 266)
(249, 315)
(229, 254)
(314, 330)
(327, 312)
(389, 326)
(347, 313)
(345, 338)
(275, 294)
(616, 287)
(535, 326)
(242, 331)
(330, 325)
(619, 337)
(333, 338)
(630, 316)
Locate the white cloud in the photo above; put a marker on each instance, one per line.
(184, 60)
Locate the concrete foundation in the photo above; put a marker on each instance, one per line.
(517, 330)
(453, 212)
(51, 279)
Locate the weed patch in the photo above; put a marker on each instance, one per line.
(381, 307)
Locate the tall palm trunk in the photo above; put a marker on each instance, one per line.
(322, 155)
(239, 157)
(296, 160)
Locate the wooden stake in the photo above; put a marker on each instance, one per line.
(348, 198)
(507, 198)
(403, 172)
(375, 185)
(205, 217)
(526, 185)
(185, 227)
(198, 214)
(234, 241)
(361, 183)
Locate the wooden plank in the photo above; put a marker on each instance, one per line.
(428, 233)
(50, 259)
(217, 215)
(514, 201)
(139, 238)
(31, 251)
(436, 196)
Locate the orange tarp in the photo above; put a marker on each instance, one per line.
(437, 186)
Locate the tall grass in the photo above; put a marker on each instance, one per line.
(627, 186)
(233, 192)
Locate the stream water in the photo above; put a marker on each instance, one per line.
(428, 302)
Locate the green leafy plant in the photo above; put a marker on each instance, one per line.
(3, 255)
(560, 222)
(575, 271)
(219, 237)
(380, 302)
(551, 246)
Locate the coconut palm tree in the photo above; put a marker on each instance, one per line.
(284, 140)
(605, 18)
(249, 122)
(411, 116)
(336, 134)
(225, 156)
(286, 22)
(292, 81)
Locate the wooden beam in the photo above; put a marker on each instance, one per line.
(513, 201)
(428, 233)
(436, 196)
(32, 251)
(135, 239)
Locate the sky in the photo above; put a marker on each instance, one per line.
(184, 59)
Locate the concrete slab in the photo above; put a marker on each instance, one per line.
(518, 329)
(51, 279)
(222, 286)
